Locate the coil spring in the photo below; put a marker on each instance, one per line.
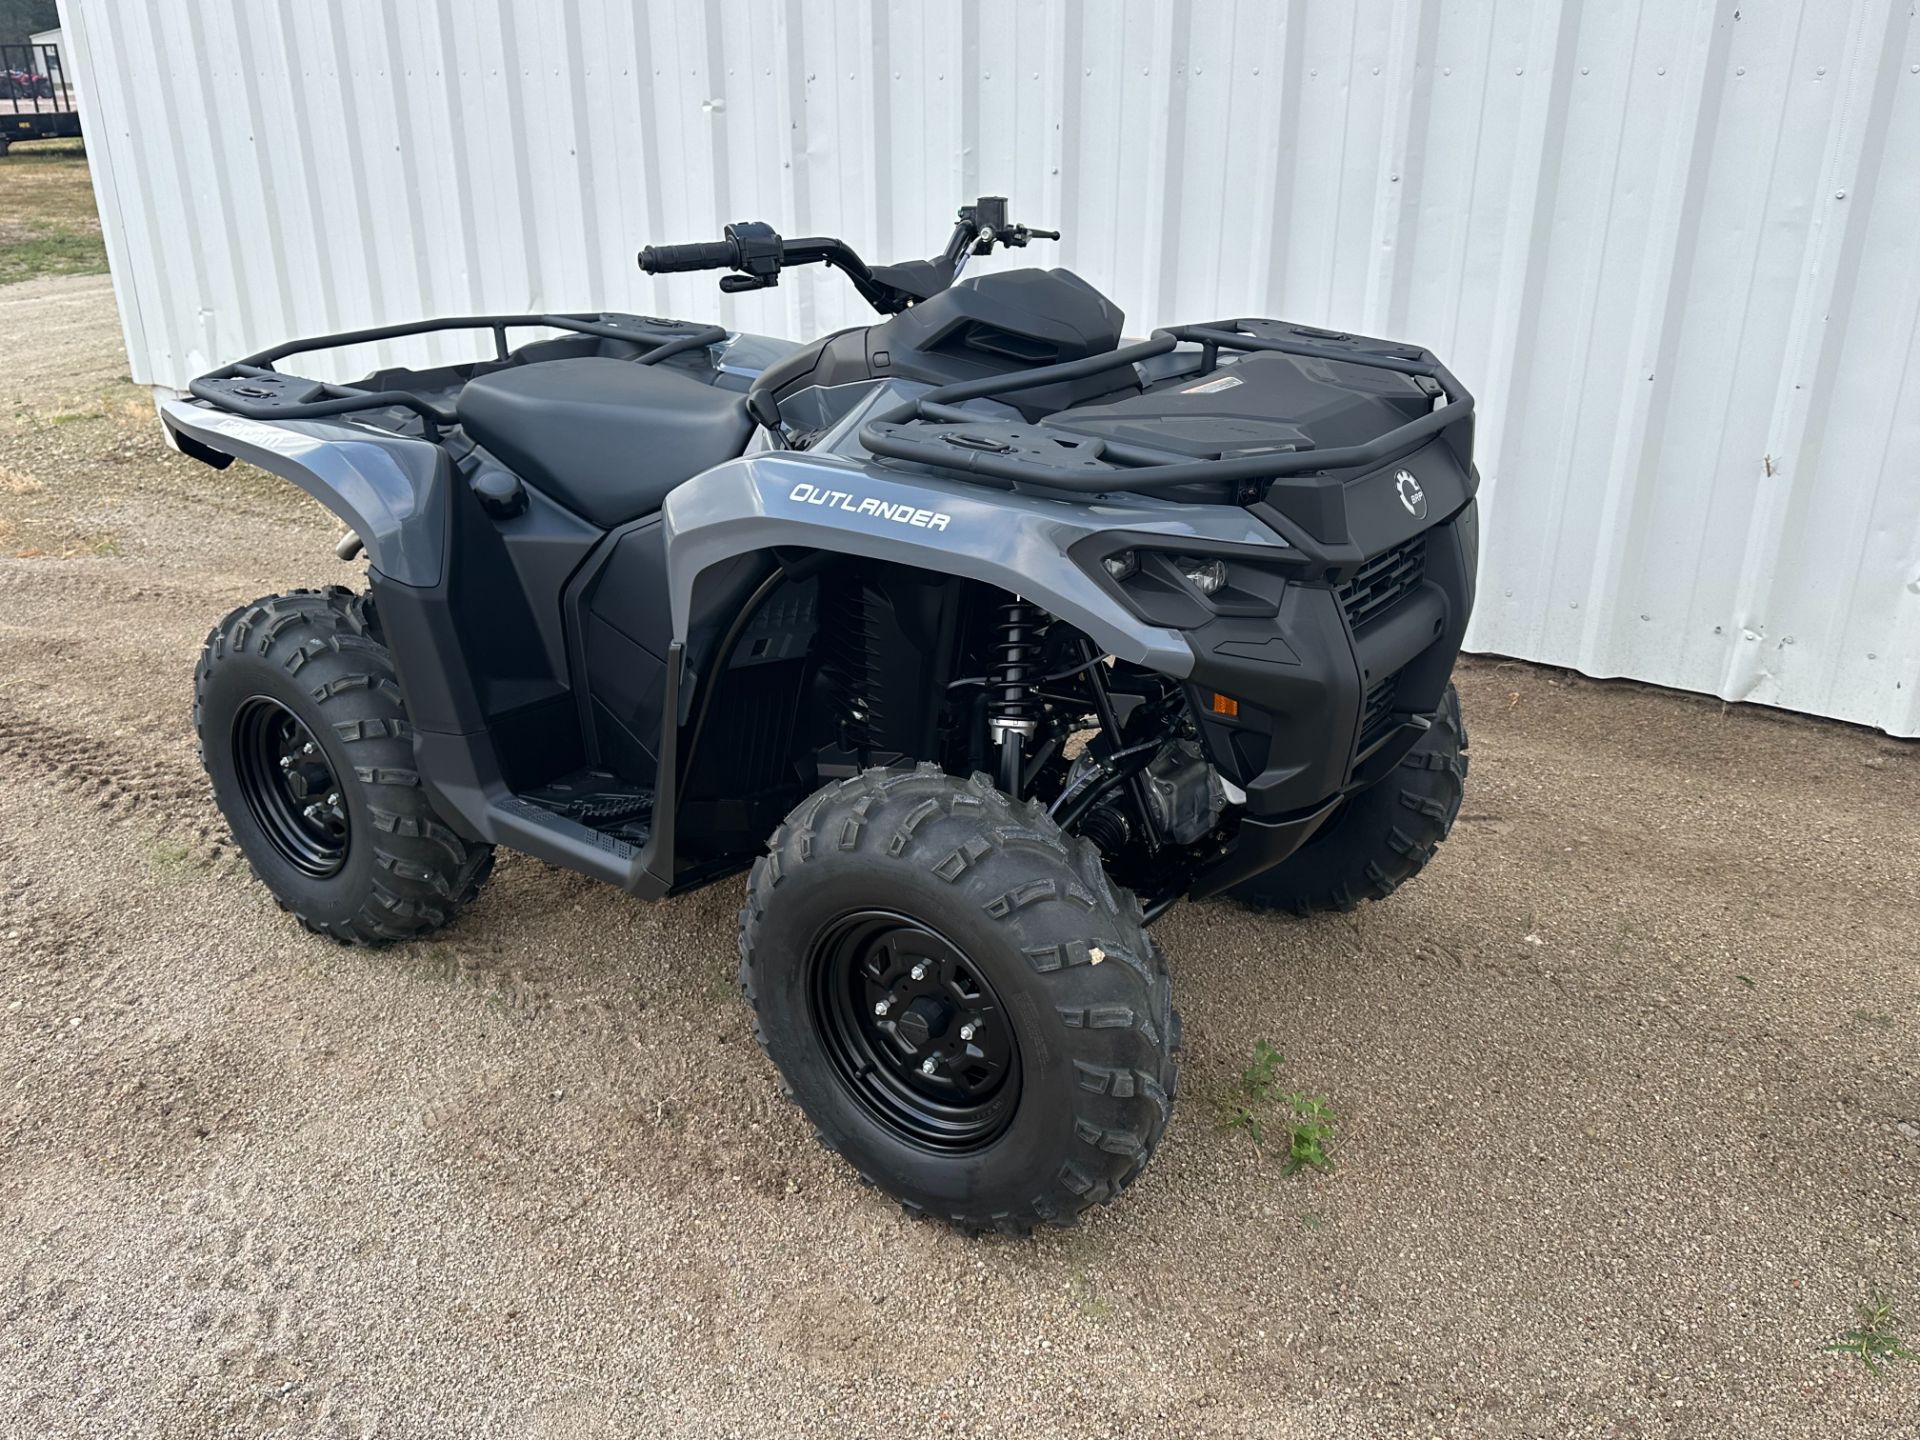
(1018, 636)
(850, 663)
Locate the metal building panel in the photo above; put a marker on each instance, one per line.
(1670, 246)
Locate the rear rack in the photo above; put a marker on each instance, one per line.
(254, 388)
(931, 430)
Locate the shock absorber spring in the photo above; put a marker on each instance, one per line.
(1013, 714)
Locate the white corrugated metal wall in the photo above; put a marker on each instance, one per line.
(1671, 246)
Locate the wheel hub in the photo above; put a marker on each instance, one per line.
(914, 1030)
(925, 1019)
(290, 789)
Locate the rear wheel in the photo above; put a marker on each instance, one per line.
(1381, 838)
(304, 735)
(961, 1002)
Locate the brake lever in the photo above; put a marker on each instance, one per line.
(734, 284)
(1019, 235)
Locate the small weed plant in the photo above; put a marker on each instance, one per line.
(1875, 1339)
(1241, 1117)
(1307, 1123)
(1259, 1078)
(1309, 1135)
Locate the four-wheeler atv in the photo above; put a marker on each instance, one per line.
(980, 637)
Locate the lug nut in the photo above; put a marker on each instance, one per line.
(307, 749)
(969, 1030)
(879, 1007)
(928, 1065)
(919, 972)
(286, 762)
(334, 799)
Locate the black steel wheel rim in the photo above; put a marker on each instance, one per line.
(290, 788)
(914, 1031)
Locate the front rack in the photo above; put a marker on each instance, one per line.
(254, 388)
(931, 430)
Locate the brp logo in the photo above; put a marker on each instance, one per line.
(1411, 495)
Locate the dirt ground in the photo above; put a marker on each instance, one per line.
(1621, 1084)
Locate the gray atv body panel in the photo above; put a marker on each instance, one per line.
(1017, 543)
(834, 496)
(390, 490)
(738, 360)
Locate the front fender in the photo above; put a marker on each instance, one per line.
(1017, 542)
(391, 490)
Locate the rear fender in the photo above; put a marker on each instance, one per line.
(392, 491)
(1016, 542)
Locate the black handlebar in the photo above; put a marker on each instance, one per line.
(706, 255)
(757, 253)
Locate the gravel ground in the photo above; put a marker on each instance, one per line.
(1621, 1083)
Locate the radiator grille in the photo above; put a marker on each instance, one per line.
(1376, 712)
(1384, 579)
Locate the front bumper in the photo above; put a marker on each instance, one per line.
(1326, 697)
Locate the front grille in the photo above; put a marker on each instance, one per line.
(1376, 712)
(1383, 580)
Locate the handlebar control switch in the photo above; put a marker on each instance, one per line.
(758, 255)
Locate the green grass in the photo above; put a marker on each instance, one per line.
(1083, 1255)
(1875, 1339)
(173, 859)
(48, 224)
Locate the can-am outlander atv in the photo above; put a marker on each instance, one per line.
(980, 637)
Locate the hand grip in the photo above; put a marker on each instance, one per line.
(707, 255)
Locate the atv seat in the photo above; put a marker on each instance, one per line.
(606, 438)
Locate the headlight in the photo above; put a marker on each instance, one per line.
(1209, 577)
(1182, 590)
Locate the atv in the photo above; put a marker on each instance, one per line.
(976, 636)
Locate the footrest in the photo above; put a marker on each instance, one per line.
(599, 800)
(591, 821)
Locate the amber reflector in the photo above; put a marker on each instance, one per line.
(1225, 704)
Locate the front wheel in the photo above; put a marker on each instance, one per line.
(966, 1008)
(306, 739)
(1381, 838)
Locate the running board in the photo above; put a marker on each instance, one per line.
(644, 868)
